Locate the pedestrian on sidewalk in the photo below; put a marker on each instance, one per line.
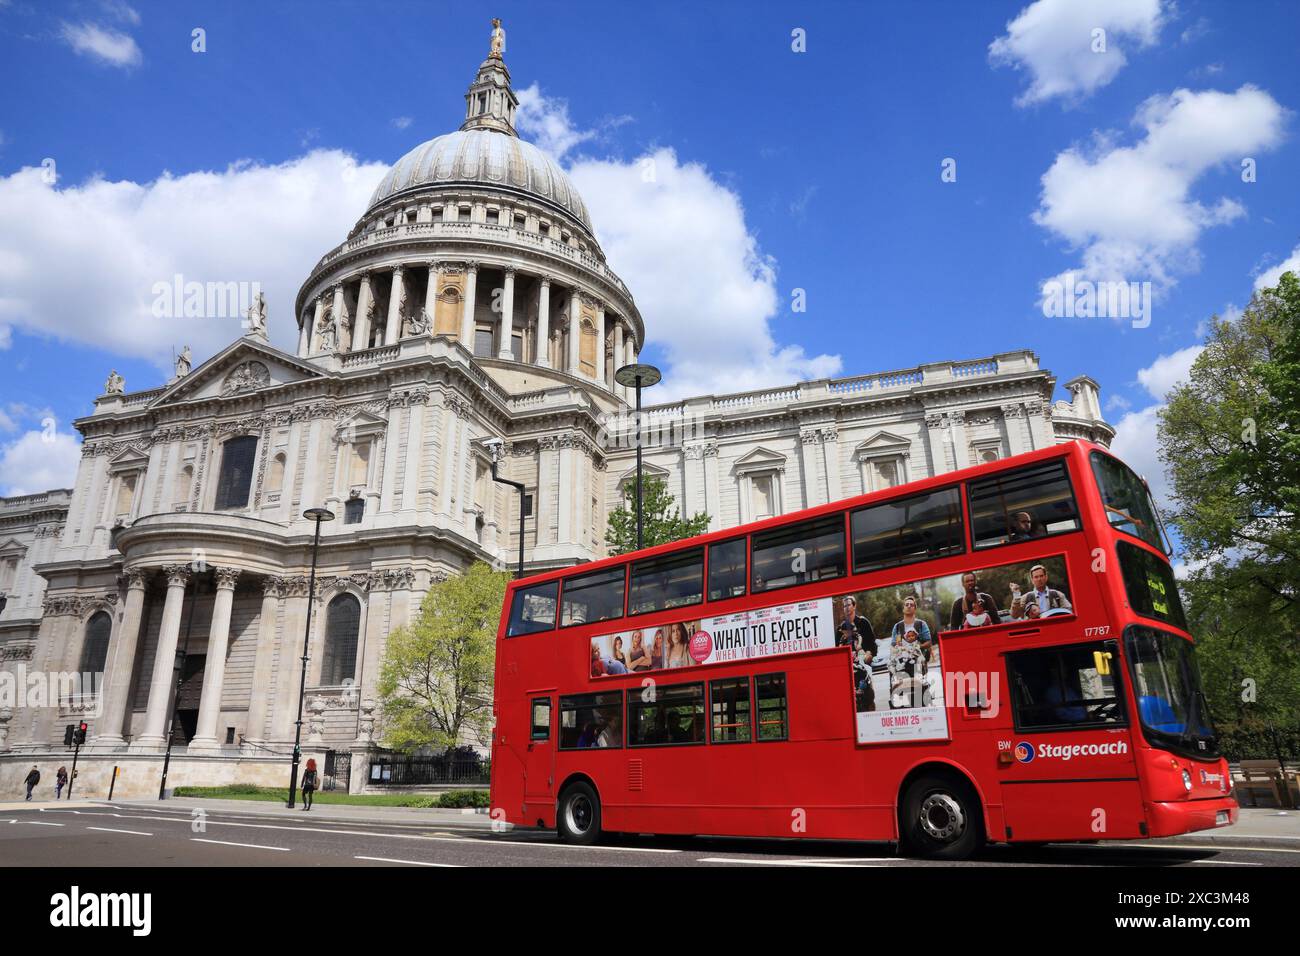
(33, 778)
(308, 783)
(60, 781)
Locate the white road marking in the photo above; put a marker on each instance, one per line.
(1221, 848)
(384, 859)
(111, 830)
(251, 846)
(42, 823)
(1223, 863)
(761, 862)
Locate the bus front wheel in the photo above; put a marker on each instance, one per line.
(578, 819)
(941, 819)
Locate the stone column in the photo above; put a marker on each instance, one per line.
(117, 682)
(467, 316)
(214, 667)
(311, 477)
(543, 357)
(414, 447)
(543, 503)
(507, 315)
(304, 336)
(339, 324)
(315, 324)
(619, 390)
(288, 652)
(392, 445)
(600, 343)
(393, 328)
(575, 331)
(431, 294)
(164, 662)
(264, 662)
(361, 324)
(712, 486)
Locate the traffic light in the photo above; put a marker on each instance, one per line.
(80, 737)
(68, 733)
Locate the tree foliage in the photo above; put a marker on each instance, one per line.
(1230, 438)
(662, 523)
(435, 682)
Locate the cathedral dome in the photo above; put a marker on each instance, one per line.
(483, 157)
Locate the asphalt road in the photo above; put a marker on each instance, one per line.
(129, 835)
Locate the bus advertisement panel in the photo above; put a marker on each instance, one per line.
(892, 632)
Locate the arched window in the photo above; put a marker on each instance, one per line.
(94, 649)
(237, 457)
(342, 628)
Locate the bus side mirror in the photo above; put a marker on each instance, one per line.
(1102, 660)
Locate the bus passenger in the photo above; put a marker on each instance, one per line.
(1023, 527)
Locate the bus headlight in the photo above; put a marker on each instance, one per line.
(1187, 780)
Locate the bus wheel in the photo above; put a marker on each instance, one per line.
(578, 819)
(941, 819)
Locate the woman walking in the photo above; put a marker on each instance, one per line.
(308, 783)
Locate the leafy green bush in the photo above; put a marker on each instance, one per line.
(463, 798)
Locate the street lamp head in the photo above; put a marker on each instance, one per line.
(638, 374)
(318, 514)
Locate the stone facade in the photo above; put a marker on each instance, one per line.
(471, 304)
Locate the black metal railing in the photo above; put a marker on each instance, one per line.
(400, 771)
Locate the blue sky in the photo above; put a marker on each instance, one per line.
(776, 170)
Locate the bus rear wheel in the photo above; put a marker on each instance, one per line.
(578, 816)
(940, 819)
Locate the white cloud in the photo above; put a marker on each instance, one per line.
(1269, 277)
(706, 290)
(545, 120)
(1129, 209)
(678, 238)
(122, 11)
(110, 46)
(1136, 434)
(402, 122)
(248, 223)
(39, 460)
(1168, 371)
(1054, 41)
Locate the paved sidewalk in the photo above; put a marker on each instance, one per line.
(320, 811)
(36, 804)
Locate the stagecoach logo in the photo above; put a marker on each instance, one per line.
(1024, 751)
(1213, 778)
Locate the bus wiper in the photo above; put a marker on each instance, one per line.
(1138, 522)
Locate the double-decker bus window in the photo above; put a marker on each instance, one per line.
(1167, 685)
(595, 596)
(1062, 688)
(665, 716)
(1021, 505)
(729, 709)
(798, 554)
(727, 569)
(591, 720)
(533, 609)
(770, 702)
(672, 580)
(1149, 583)
(909, 529)
(541, 718)
(1126, 499)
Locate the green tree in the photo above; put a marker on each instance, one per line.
(435, 682)
(663, 521)
(1230, 438)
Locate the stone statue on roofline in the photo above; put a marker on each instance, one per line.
(115, 385)
(184, 362)
(257, 316)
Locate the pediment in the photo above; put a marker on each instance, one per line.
(759, 458)
(882, 441)
(244, 366)
(13, 547)
(360, 424)
(128, 459)
(648, 470)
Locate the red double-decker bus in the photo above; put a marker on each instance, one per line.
(995, 654)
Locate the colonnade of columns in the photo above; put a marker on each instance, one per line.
(339, 321)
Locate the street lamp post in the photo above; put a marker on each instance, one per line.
(638, 376)
(317, 515)
(496, 447)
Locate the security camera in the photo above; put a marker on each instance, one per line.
(495, 447)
